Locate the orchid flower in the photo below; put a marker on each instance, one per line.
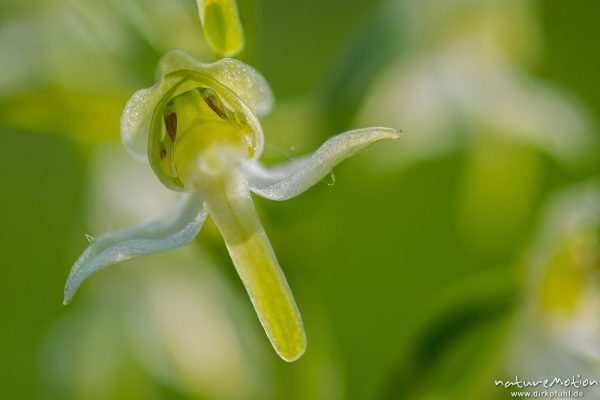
(198, 129)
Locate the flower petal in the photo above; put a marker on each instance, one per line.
(135, 121)
(175, 228)
(288, 180)
(246, 82)
(243, 80)
(221, 25)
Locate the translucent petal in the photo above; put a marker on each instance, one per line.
(246, 82)
(228, 201)
(221, 25)
(243, 80)
(288, 180)
(135, 121)
(175, 228)
(239, 84)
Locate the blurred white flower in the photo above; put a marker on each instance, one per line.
(463, 85)
(557, 329)
(446, 94)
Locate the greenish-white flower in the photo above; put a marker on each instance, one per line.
(199, 130)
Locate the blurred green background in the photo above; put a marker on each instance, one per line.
(424, 269)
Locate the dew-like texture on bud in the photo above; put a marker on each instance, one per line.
(246, 82)
(135, 123)
(221, 26)
(243, 80)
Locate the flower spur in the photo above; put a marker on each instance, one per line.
(198, 129)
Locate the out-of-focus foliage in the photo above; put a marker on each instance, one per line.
(424, 270)
(70, 66)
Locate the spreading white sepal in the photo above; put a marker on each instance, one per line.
(288, 180)
(174, 229)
